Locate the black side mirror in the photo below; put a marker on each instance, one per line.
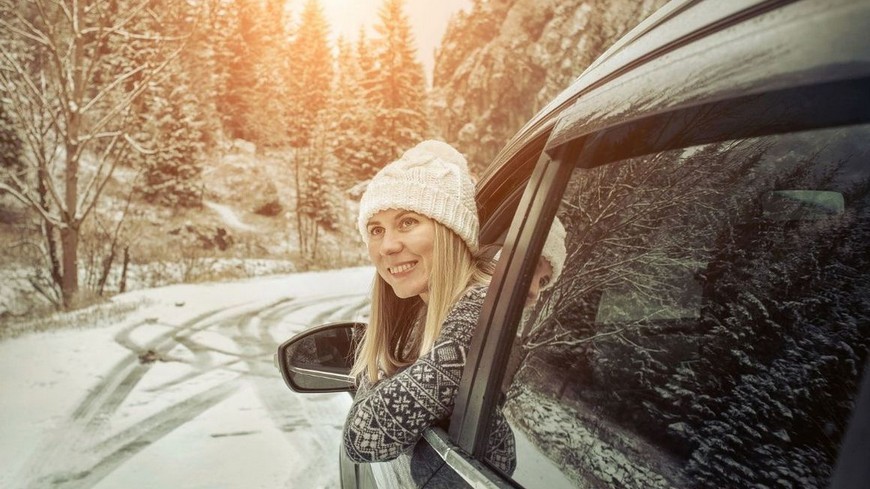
(320, 359)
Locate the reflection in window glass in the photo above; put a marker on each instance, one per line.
(710, 326)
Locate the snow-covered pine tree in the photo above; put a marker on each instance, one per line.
(398, 89)
(205, 61)
(366, 60)
(252, 102)
(233, 74)
(309, 73)
(172, 168)
(272, 88)
(170, 118)
(310, 82)
(351, 120)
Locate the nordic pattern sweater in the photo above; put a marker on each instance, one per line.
(390, 417)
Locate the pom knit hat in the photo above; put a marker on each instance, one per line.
(432, 179)
(554, 248)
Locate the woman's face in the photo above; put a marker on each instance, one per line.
(400, 247)
(540, 280)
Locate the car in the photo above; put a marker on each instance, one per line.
(711, 325)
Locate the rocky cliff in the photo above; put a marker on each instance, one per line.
(501, 61)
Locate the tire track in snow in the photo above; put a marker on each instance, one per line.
(80, 454)
(72, 457)
(307, 420)
(59, 460)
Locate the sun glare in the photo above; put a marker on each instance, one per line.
(428, 20)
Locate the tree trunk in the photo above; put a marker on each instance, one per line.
(123, 285)
(105, 269)
(69, 235)
(48, 228)
(297, 177)
(69, 240)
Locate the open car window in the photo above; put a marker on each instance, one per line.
(710, 326)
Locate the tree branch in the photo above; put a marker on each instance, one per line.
(24, 198)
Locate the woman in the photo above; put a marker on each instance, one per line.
(419, 220)
(550, 263)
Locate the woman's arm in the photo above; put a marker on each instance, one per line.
(391, 417)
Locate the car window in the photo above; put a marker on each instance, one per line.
(710, 324)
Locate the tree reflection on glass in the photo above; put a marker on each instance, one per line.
(711, 323)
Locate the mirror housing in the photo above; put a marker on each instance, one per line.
(320, 359)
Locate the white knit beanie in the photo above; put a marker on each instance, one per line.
(554, 248)
(432, 179)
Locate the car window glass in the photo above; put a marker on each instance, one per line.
(710, 324)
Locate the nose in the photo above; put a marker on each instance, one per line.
(534, 290)
(391, 243)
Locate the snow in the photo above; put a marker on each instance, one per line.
(81, 410)
(229, 216)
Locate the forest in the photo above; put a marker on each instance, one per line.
(124, 123)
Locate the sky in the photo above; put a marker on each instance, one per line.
(428, 21)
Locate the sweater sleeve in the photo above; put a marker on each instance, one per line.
(391, 417)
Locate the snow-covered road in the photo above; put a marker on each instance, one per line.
(205, 409)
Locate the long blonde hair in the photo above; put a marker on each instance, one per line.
(390, 341)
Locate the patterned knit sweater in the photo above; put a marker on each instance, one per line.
(390, 417)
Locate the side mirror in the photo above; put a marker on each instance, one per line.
(320, 359)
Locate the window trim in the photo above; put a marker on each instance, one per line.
(535, 211)
(805, 107)
(475, 474)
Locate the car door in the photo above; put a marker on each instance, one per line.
(709, 329)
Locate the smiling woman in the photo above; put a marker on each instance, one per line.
(419, 220)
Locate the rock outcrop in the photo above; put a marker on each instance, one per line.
(500, 63)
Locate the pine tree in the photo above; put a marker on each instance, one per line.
(173, 167)
(398, 92)
(310, 73)
(351, 120)
(310, 81)
(204, 62)
(234, 73)
(252, 100)
(172, 118)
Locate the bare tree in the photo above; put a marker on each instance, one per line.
(71, 73)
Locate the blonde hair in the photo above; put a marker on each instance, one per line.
(390, 341)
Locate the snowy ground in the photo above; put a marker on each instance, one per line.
(229, 216)
(80, 409)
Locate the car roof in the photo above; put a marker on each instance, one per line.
(747, 52)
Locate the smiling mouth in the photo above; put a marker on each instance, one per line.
(402, 268)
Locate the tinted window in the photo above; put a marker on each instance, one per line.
(710, 326)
